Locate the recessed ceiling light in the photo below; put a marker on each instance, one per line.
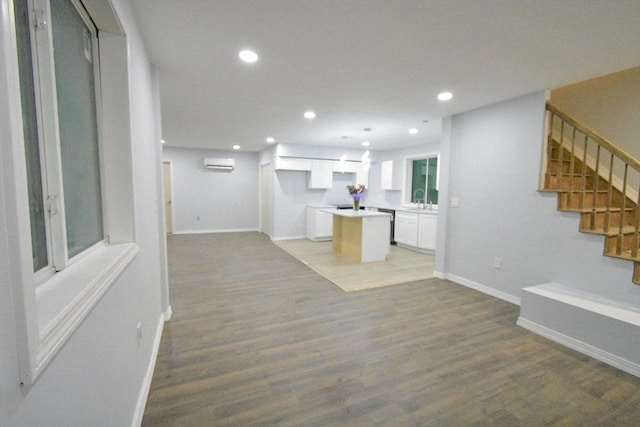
(365, 143)
(236, 147)
(309, 115)
(445, 96)
(270, 140)
(163, 141)
(248, 56)
(413, 131)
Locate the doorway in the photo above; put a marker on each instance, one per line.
(266, 190)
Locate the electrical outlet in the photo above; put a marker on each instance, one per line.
(497, 263)
(139, 332)
(455, 202)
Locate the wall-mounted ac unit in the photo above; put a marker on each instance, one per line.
(222, 164)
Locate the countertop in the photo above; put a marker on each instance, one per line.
(410, 209)
(355, 214)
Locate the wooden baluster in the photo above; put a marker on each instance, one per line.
(622, 212)
(636, 234)
(572, 165)
(549, 149)
(584, 172)
(596, 176)
(561, 155)
(607, 215)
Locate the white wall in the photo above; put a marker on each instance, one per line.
(206, 200)
(98, 377)
(492, 157)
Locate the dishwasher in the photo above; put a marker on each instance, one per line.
(392, 212)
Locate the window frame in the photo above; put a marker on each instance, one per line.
(407, 197)
(49, 309)
(49, 133)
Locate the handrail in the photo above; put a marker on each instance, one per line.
(623, 155)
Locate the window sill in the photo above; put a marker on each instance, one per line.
(65, 300)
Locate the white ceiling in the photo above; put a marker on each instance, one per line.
(359, 64)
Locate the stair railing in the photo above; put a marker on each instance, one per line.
(595, 167)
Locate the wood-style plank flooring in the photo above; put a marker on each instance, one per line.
(259, 339)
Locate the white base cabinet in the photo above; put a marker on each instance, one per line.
(416, 230)
(319, 224)
(427, 228)
(406, 228)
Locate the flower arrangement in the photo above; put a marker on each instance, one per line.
(356, 189)
(356, 192)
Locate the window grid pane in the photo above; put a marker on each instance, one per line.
(432, 179)
(76, 100)
(418, 180)
(37, 210)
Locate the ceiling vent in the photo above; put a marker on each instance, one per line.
(220, 164)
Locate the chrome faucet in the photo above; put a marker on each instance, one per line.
(415, 197)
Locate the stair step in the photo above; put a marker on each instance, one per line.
(612, 231)
(624, 243)
(597, 210)
(572, 199)
(565, 182)
(564, 166)
(624, 255)
(589, 221)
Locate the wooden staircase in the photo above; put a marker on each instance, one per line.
(598, 180)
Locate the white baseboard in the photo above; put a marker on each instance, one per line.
(275, 239)
(232, 230)
(589, 350)
(167, 314)
(478, 287)
(146, 383)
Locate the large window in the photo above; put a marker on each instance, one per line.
(67, 163)
(424, 180)
(60, 129)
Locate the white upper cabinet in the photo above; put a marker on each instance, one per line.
(362, 174)
(292, 164)
(388, 176)
(345, 167)
(321, 175)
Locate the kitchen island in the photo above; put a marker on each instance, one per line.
(361, 235)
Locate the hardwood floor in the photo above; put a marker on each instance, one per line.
(259, 339)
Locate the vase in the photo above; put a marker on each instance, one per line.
(356, 202)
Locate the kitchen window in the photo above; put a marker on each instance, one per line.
(422, 178)
(70, 150)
